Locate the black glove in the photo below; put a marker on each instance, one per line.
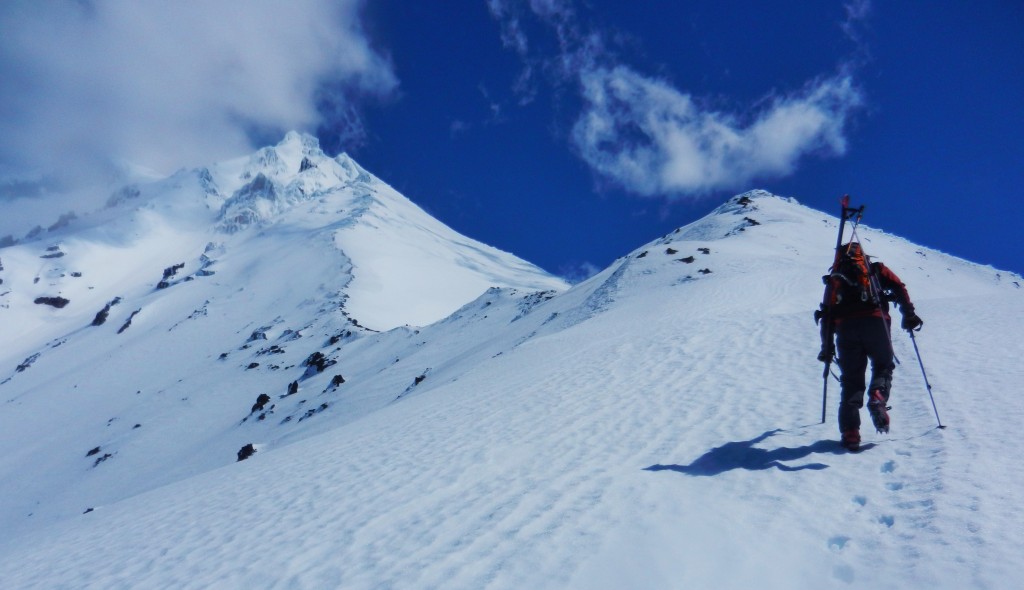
(911, 322)
(826, 354)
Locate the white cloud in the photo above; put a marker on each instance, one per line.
(166, 84)
(651, 138)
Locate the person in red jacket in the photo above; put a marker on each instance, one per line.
(856, 310)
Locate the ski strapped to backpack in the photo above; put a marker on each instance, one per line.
(825, 312)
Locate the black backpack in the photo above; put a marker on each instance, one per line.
(852, 281)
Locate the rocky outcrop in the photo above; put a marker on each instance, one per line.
(58, 302)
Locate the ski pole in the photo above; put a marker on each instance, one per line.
(925, 375)
(824, 393)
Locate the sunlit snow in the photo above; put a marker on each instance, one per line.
(656, 426)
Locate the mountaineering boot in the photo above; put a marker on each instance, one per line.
(878, 411)
(851, 440)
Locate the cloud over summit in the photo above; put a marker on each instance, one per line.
(172, 84)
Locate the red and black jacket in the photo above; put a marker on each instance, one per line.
(843, 306)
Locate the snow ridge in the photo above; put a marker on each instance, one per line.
(640, 429)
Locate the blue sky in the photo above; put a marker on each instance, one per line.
(566, 132)
(933, 147)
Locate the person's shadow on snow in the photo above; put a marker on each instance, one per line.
(743, 455)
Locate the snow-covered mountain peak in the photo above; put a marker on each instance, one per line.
(641, 428)
(286, 159)
(381, 246)
(258, 189)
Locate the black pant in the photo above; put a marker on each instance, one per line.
(859, 340)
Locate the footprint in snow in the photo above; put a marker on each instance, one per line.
(889, 466)
(860, 500)
(887, 520)
(895, 486)
(838, 543)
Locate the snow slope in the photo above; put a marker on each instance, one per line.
(188, 297)
(655, 426)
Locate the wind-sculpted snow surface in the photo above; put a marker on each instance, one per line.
(652, 427)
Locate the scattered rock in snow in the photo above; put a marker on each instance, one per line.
(687, 260)
(260, 334)
(312, 412)
(57, 302)
(704, 271)
(339, 336)
(205, 263)
(316, 363)
(245, 452)
(273, 349)
(53, 252)
(93, 451)
(252, 366)
(170, 271)
(261, 402)
(27, 363)
(101, 316)
(642, 254)
(671, 251)
(128, 322)
(335, 382)
(704, 250)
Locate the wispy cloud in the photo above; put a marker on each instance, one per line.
(650, 137)
(577, 272)
(653, 139)
(166, 84)
(857, 12)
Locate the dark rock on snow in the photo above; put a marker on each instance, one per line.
(261, 401)
(245, 452)
(57, 302)
(128, 322)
